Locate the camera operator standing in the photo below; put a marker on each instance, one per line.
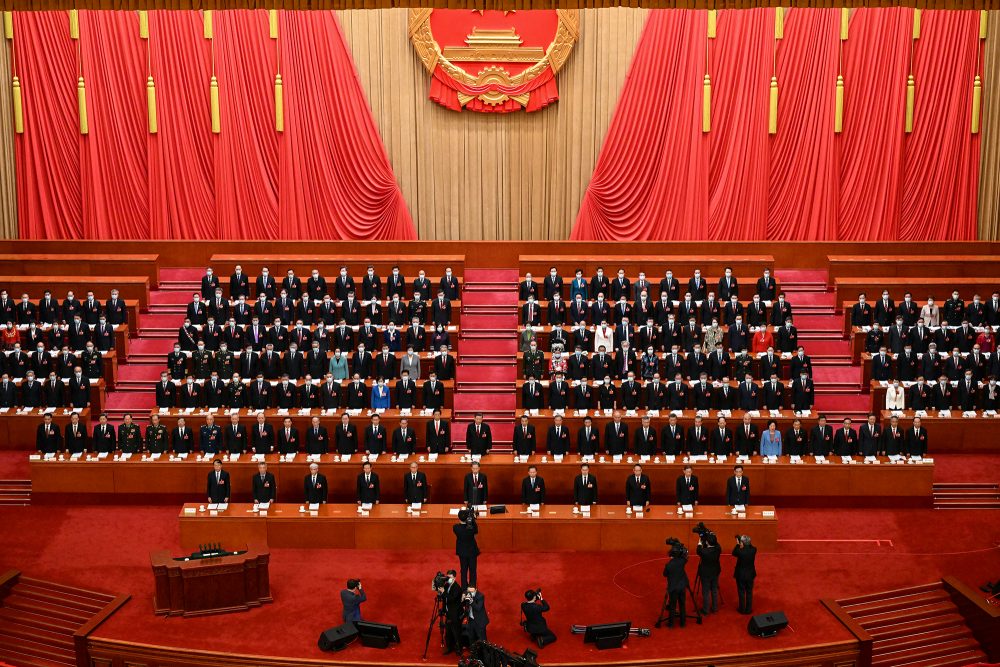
(745, 572)
(709, 570)
(534, 623)
(677, 582)
(450, 595)
(466, 547)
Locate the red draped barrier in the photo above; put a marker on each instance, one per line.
(659, 177)
(327, 176)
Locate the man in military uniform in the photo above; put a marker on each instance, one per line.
(224, 360)
(92, 362)
(177, 362)
(534, 361)
(156, 436)
(201, 362)
(210, 436)
(129, 436)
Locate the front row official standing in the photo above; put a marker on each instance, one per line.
(533, 488)
(415, 488)
(745, 572)
(687, 488)
(637, 489)
(315, 486)
(916, 439)
(534, 623)
(48, 439)
(264, 488)
(738, 488)
(585, 488)
(218, 484)
(476, 487)
(104, 436)
(368, 487)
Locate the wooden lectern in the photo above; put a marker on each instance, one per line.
(211, 585)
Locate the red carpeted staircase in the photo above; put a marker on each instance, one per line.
(838, 382)
(915, 627)
(15, 492)
(486, 373)
(966, 496)
(157, 333)
(39, 618)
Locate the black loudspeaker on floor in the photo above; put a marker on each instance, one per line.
(767, 624)
(337, 637)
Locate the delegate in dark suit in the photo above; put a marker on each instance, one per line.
(687, 490)
(218, 486)
(315, 488)
(264, 488)
(637, 490)
(415, 488)
(368, 488)
(532, 490)
(738, 490)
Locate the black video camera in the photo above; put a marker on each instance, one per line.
(467, 516)
(705, 535)
(440, 581)
(677, 548)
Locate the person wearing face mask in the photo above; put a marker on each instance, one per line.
(18, 363)
(975, 312)
(968, 392)
(291, 284)
(916, 439)
(533, 361)
(265, 284)
(862, 314)
(991, 395)
(942, 395)
(803, 392)
(190, 394)
(553, 284)
(895, 396)
(79, 389)
(439, 337)
(441, 310)
(380, 399)
(930, 313)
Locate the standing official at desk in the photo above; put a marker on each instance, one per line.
(476, 487)
(315, 486)
(218, 483)
(637, 489)
(687, 488)
(368, 486)
(585, 487)
(415, 486)
(264, 488)
(532, 488)
(738, 488)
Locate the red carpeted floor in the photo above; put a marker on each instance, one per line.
(823, 553)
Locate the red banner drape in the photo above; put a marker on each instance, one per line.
(326, 177)
(872, 181)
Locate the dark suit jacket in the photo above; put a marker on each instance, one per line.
(637, 493)
(264, 490)
(415, 491)
(738, 494)
(465, 540)
(524, 440)
(476, 494)
(687, 494)
(481, 443)
(534, 622)
(218, 492)
(315, 493)
(532, 493)
(745, 557)
(368, 492)
(438, 440)
(585, 494)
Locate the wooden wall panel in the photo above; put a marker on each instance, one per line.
(478, 176)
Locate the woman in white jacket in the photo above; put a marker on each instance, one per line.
(894, 396)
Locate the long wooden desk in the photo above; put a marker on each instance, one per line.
(17, 430)
(555, 528)
(712, 267)
(129, 287)
(389, 419)
(955, 434)
(779, 483)
(278, 264)
(847, 289)
(59, 264)
(915, 266)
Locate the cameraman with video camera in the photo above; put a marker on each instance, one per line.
(466, 547)
(534, 623)
(450, 596)
(677, 581)
(709, 568)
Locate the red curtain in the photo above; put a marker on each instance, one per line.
(802, 189)
(329, 130)
(49, 201)
(740, 66)
(181, 156)
(941, 162)
(872, 181)
(649, 180)
(120, 181)
(871, 160)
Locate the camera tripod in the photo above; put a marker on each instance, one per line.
(436, 614)
(665, 608)
(697, 591)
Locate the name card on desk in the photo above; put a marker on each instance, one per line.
(432, 457)
(557, 458)
(687, 508)
(234, 457)
(190, 510)
(34, 457)
(767, 514)
(365, 507)
(257, 458)
(944, 414)
(585, 509)
(820, 459)
(587, 458)
(454, 511)
(213, 507)
(795, 458)
(481, 508)
(617, 458)
(313, 507)
(637, 510)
